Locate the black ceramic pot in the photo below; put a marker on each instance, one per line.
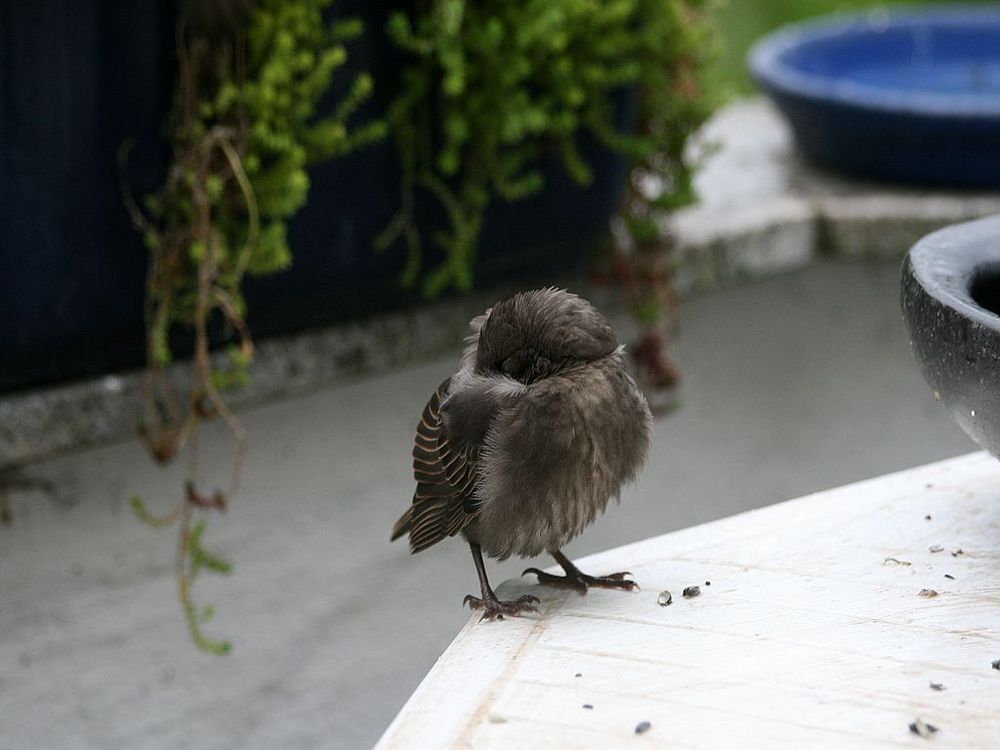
(951, 305)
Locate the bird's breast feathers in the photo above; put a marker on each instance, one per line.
(553, 457)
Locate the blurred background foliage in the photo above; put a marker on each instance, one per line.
(492, 88)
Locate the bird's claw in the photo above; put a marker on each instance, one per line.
(495, 609)
(581, 581)
(618, 576)
(614, 581)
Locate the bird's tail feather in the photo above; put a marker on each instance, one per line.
(428, 521)
(403, 525)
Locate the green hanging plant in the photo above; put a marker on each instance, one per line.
(243, 129)
(492, 84)
(673, 105)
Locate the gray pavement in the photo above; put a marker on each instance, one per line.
(792, 384)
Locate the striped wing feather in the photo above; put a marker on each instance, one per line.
(444, 501)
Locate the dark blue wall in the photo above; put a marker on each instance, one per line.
(78, 77)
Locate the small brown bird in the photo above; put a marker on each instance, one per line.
(522, 447)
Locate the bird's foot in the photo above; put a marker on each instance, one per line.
(495, 609)
(581, 581)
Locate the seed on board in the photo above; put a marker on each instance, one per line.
(578, 674)
(922, 728)
(691, 591)
(949, 576)
(936, 548)
(642, 727)
(937, 686)
(496, 719)
(588, 705)
(894, 561)
(927, 517)
(928, 593)
(995, 664)
(664, 598)
(708, 583)
(957, 553)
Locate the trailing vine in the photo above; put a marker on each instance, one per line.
(492, 85)
(678, 45)
(243, 128)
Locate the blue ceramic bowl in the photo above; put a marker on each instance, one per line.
(911, 95)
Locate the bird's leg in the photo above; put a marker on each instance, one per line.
(577, 579)
(493, 608)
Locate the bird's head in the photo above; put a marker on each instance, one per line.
(536, 334)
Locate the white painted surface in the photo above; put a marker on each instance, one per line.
(805, 638)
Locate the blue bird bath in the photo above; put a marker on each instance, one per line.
(909, 96)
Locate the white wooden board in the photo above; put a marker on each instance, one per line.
(806, 637)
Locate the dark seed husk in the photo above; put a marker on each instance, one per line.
(922, 728)
(642, 727)
(691, 591)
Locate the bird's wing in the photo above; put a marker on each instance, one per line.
(444, 501)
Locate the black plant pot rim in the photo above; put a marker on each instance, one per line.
(950, 262)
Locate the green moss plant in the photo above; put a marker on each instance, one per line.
(493, 85)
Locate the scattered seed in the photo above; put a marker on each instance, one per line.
(928, 593)
(922, 728)
(894, 561)
(642, 727)
(578, 674)
(691, 591)
(995, 664)
(497, 719)
(957, 553)
(664, 598)
(936, 548)
(588, 705)
(927, 517)
(949, 576)
(708, 583)
(937, 686)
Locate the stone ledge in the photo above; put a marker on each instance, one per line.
(46, 422)
(763, 211)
